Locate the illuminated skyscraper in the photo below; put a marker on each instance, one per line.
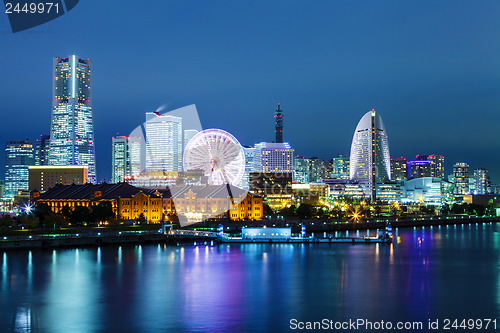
(398, 168)
(436, 164)
(300, 170)
(482, 183)
(316, 169)
(419, 169)
(18, 157)
(309, 170)
(461, 177)
(71, 132)
(370, 158)
(163, 142)
(42, 145)
(340, 167)
(126, 156)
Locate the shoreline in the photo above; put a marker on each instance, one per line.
(92, 239)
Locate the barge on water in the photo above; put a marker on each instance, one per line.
(284, 235)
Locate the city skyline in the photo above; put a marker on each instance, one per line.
(430, 86)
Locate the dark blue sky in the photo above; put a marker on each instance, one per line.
(432, 70)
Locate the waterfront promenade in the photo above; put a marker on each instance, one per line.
(203, 233)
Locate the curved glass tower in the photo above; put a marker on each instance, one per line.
(370, 159)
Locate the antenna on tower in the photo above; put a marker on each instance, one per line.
(278, 119)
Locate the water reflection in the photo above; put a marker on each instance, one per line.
(262, 286)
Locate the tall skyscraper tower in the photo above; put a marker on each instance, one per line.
(18, 157)
(42, 145)
(163, 142)
(482, 183)
(278, 118)
(370, 159)
(461, 176)
(126, 158)
(72, 130)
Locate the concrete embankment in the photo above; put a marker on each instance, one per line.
(12, 243)
(316, 225)
(232, 227)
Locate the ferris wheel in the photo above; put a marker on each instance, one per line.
(217, 154)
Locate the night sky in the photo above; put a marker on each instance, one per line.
(431, 68)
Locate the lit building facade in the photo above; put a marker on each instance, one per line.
(437, 164)
(126, 157)
(300, 170)
(427, 190)
(419, 169)
(370, 157)
(309, 170)
(274, 187)
(71, 132)
(309, 193)
(340, 167)
(273, 157)
(156, 179)
(18, 157)
(482, 183)
(338, 188)
(42, 146)
(198, 203)
(127, 201)
(398, 168)
(317, 169)
(389, 191)
(44, 177)
(164, 142)
(249, 167)
(461, 178)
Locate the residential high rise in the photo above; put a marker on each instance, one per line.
(317, 169)
(370, 159)
(436, 166)
(18, 157)
(126, 158)
(419, 169)
(42, 146)
(398, 168)
(71, 132)
(461, 177)
(163, 142)
(300, 170)
(482, 183)
(278, 116)
(273, 157)
(340, 167)
(309, 170)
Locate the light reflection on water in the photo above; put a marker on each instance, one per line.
(429, 273)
